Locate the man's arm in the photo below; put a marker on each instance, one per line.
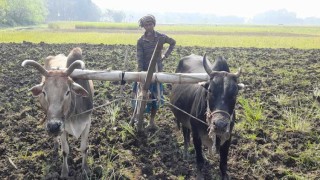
(172, 44)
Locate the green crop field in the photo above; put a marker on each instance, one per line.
(301, 37)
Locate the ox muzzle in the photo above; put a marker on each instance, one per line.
(219, 126)
(54, 126)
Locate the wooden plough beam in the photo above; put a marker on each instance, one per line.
(175, 78)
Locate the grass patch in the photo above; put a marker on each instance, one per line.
(252, 113)
(282, 99)
(296, 122)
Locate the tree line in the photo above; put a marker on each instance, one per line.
(30, 12)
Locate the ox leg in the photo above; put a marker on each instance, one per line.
(186, 137)
(65, 153)
(84, 148)
(56, 149)
(199, 156)
(224, 150)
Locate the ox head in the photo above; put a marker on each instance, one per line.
(55, 94)
(222, 90)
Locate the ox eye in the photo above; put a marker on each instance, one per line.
(68, 92)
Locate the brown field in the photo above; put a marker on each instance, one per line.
(281, 143)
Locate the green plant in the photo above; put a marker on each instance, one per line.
(252, 112)
(296, 122)
(282, 99)
(110, 165)
(113, 111)
(310, 157)
(126, 129)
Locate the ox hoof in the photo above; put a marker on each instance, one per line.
(86, 172)
(199, 177)
(64, 173)
(225, 177)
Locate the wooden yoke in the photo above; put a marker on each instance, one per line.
(146, 84)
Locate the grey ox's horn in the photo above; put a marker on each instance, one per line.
(74, 66)
(237, 74)
(205, 65)
(35, 64)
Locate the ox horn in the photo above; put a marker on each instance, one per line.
(205, 65)
(35, 64)
(75, 65)
(237, 74)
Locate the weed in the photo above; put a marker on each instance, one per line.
(296, 122)
(113, 111)
(282, 99)
(310, 157)
(127, 129)
(252, 113)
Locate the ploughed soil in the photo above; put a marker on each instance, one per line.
(282, 142)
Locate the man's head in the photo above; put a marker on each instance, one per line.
(147, 21)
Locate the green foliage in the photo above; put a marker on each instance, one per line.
(3, 10)
(72, 10)
(252, 113)
(127, 129)
(296, 122)
(25, 12)
(310, 158)
(113, 113)
(282, 99)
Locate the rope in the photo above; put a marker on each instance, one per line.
(184, 112)
(105, 104)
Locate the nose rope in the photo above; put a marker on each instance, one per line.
(211, 113)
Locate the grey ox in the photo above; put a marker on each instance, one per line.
(212, 106)
(66, 102)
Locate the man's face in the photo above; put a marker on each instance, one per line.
(148, 26)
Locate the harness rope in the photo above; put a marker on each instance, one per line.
(165, 101)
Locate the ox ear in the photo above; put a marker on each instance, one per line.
(204, 84)
(36, 90)
(241, 86)
(79, 90)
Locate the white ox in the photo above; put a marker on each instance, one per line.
(66, 102)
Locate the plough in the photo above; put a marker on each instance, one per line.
(145, 78)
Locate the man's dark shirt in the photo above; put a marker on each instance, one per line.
(146, 47)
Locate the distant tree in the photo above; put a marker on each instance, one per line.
(276, 17)
(3, 10)
(311, 21)
(113, 15)
(73, 10)
(25, 12)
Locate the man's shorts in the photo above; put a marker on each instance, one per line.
(153, 103)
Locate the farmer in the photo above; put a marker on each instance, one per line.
(145, 47)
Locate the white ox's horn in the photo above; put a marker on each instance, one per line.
(35, 64)
(76, 64)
